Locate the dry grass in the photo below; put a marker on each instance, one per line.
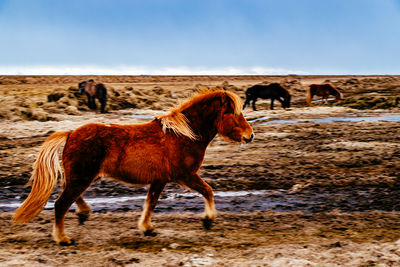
(26, 97)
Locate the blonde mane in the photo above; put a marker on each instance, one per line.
(177, 121)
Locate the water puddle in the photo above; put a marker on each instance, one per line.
(352, 117)
(239, 201)
(368, 117)
(142, 117)
(323, 200)
(320, 100)
(169, 201)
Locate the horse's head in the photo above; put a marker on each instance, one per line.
(286, 101)
(336, 92)
(339, 97)
(235, 128)
(82, 86)
(231, 123)
(209, 113)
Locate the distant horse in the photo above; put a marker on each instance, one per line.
(170, 148)
(272, 91)
(94, 90)
(323, 90)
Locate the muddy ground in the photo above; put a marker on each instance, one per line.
(305, 193)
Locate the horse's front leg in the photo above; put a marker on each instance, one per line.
(282, 102)
(152, 198)
(272, 103)
(247, 102)
(196, 183)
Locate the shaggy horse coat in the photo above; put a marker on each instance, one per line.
(272, 91)
(323, 90)
(169, 148)
(94, 90)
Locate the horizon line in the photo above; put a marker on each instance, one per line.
(139, 70)
(123, 70)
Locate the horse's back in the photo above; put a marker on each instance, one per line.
(320, 89)
(137, 153)
(101, 90)
(118, 134)
(268, 91)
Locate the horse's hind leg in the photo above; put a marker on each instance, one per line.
(152, 198)
(83, 210)
(71, 193)
(254, 104)
(272, 103)
(196, 183)
(103, 102)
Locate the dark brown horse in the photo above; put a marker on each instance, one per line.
(169, 148)
(272, 91)
(323, 90)
(94, 90)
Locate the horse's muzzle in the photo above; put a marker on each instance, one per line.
(248, 140)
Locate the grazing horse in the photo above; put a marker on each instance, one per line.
(94, 90)
(170, 148)
(323, 90)
(272, 91)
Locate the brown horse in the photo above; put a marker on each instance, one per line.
(94, 90)
(323, 90)
(169, 148)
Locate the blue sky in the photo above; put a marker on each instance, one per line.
(199, 37)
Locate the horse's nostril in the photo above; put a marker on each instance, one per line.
(250, 139)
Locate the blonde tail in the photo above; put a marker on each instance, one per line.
(43, 179)
(308, 99)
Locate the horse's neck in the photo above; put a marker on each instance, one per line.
(335, 92)
(90, 88)
(203, 125)
(283, 93)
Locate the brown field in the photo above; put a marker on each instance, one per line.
(319, 186)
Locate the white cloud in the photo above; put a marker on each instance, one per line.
(138, 70)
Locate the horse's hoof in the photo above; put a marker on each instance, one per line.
(150, 233)
(207, 223)
(65, 243)
(82, 218)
